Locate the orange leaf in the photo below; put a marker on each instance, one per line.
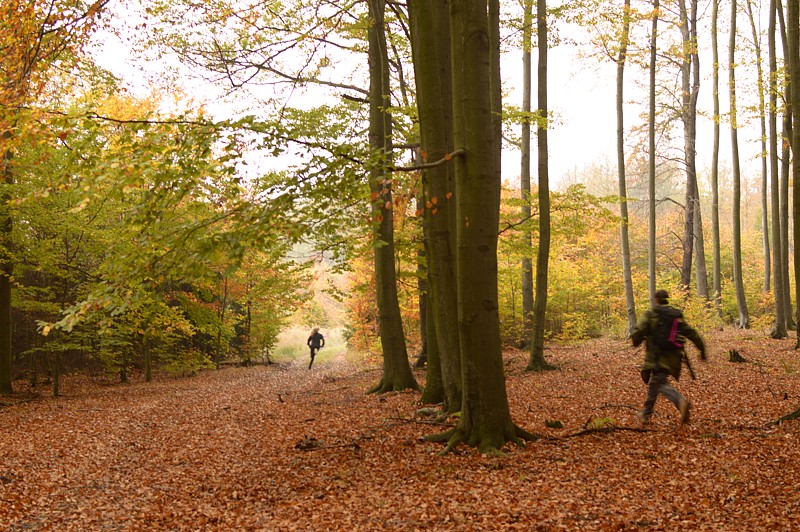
(449, 195)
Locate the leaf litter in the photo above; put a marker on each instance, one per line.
(284, 448)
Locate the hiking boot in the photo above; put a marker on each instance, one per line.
(643, 418)
(684, 408)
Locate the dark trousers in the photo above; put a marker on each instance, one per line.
(658, 385)
(314, 350)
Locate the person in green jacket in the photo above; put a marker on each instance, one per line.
(662, 361)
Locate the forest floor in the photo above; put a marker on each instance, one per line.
(284, 448)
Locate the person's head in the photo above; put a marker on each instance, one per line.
(661, 297)
(315, 329)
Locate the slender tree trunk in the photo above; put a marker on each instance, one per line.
(716, 274)
(689, 120)
(525, 171)
(741, 301)
(423, 294)
(793, 41)
(788, 310)
(779, 330)
(396, 369)
(485, 420)
(762, 114)
(6, 270)
(651, 189)
(537, 361)
(701, 271)
(627, 276)
(429, 22)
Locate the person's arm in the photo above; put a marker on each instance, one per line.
(642, 329)
(691, 334)
(321, 341)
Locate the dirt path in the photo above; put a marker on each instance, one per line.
(284, 448)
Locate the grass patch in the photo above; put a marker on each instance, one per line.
(292, 345)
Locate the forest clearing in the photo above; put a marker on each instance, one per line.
(282, 448)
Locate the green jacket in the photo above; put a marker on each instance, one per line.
(656, 358)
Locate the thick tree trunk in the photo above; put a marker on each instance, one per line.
(525, 171)
(485, 420)
(716, 274)
(429, 22)
(779, 330)
(537, 361)
(627, 276)
(741, 301)
(651, 133)
(397, 373)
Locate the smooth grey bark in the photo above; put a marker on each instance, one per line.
(788, 311)
(429, 22)
(779, 329)
(701, 271)
(651, 133)
(689, 92)
(525, 170)
(762, 116)
(716, 268)
(793, 41)
(741, 301)
(397, 373)
(627, 276)
(537, 361)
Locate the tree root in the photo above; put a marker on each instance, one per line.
(602, 430)
(538, 368)
(787, 417)
(455, 436)
(385, 386)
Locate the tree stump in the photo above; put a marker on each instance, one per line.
(734, 356)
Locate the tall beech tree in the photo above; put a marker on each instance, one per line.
(690, 88)
(627, 276)
(537, 361)
(741, 300)
(793, 41)
(779, 329)
(716, 268)
(651, 136)
(397, 373)
(485, 420)
(429, 22)
(525, 167)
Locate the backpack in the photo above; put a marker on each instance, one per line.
(666, 334)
